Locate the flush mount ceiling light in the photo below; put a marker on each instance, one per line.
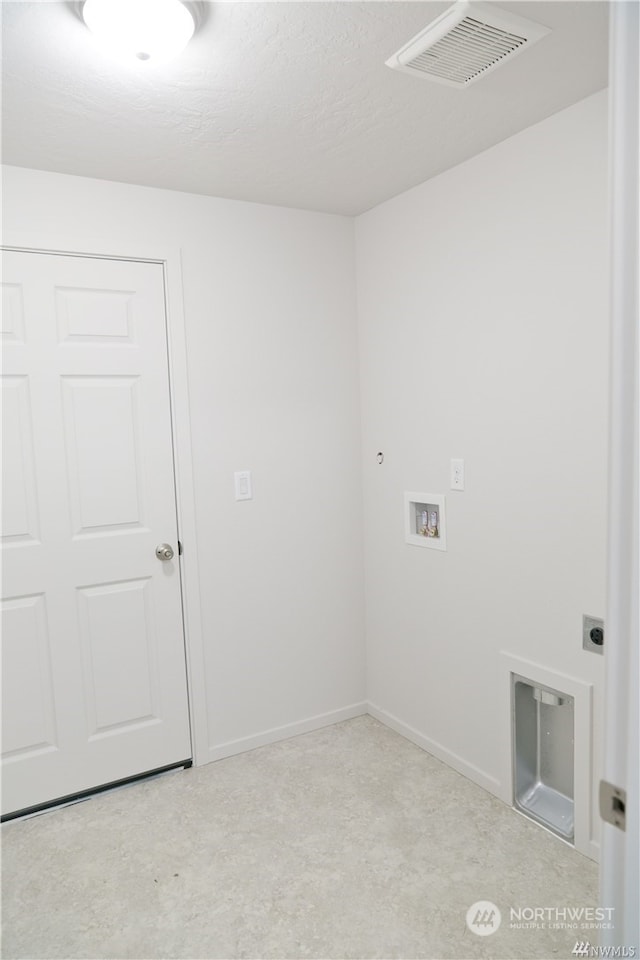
(149, 30)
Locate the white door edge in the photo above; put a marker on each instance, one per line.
(619, 877)
(171, 260)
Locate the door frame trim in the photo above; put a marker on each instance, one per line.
(619, 873)
(170, 258)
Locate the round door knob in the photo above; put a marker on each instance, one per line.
(164, 551)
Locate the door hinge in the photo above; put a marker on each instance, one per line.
(179, 548)
(613, 804)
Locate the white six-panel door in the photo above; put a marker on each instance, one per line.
(93, 660)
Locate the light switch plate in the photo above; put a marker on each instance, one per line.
(457, 474)
(242, 480)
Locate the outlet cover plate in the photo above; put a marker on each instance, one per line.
(588, 624)
(457, 475)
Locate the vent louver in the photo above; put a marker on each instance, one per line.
(465, 43)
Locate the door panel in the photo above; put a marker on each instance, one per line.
(102, 431)
(121, 677)
(19, 487)
(94, 674)
(27, 704)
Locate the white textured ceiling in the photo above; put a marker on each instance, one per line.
(286, 103)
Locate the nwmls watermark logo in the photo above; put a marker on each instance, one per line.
(561, 918)
(584, 949)
(483, 918)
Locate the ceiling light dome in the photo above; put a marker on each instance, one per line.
(155, 30)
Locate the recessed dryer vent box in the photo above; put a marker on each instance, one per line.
(543, 761)
(424, 520)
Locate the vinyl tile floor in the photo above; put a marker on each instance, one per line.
(349, 842)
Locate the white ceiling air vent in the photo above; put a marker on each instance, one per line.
(465, 43)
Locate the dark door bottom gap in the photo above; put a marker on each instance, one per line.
(93, 791)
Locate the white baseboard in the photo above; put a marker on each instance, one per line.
(490, 784)
(233, 747)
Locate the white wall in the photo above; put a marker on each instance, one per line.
(484, 335)
(269, 302)
(483, 317)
